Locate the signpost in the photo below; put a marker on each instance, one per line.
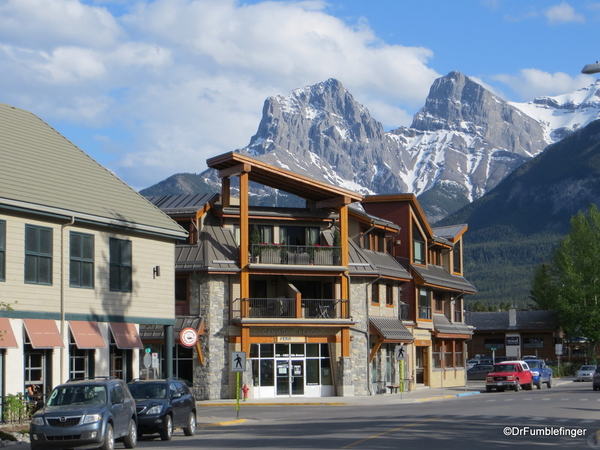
(401, 358)
(238, 365)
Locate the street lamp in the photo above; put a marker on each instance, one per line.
(591, 68)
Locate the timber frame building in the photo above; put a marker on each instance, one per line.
(316, 297)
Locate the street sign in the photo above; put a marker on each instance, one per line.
(147, 360)
(188, 337)
(155, 361)
(238, 361)
(400, 352)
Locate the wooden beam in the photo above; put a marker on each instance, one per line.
(375, 349)
(336, 202)
(235, 170)
(345, 342)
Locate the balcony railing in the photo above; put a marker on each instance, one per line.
(320, 255)
(290, 308)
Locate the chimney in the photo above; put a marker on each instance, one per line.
(512, 317)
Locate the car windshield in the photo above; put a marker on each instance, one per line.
(533, 364)
(78, 395)
(588, 368)
(504, 368)
(148, 390)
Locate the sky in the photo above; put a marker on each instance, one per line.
(151, 88)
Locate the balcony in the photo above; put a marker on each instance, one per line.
(320, 255)
(290, 308)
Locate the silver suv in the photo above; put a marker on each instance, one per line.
(92, 412)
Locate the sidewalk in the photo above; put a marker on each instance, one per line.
(422, 394)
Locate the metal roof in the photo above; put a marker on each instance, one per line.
(440, 277)
(186, 204)
(43, 172)
(526, 320)
(442, 324)
(450, 232)
(391, 329)
(150, 332)
(386, 265)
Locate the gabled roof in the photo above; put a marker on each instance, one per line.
(450, 232)
(44, 173)
(411, 199)
(437, 276)
(526, 320)
(232, 163)
(365, 218)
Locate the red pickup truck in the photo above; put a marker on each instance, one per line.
(509, 374)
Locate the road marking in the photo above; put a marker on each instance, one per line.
(545, 399)
(509, 399)
(527, 399)
(390, 431)
(583, 399)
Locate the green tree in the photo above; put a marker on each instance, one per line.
(570, 283)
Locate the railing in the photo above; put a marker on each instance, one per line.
(281, 308)
(295, 254)
(18, 408)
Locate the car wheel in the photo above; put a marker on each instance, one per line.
(166, 432)
(130, 440)
(539, 384)
(529, 386)
(488, 389)
(549, 383)
(517, 386)
(190, 429)
(109, 438)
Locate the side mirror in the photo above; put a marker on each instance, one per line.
(176, 395)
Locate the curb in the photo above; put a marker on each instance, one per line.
(221, 424)
(428, 399)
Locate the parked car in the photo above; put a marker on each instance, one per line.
(596, 379)
(163, 405)
(479, 371)
(471, 363)
(585, 373)
(510, 374)
(87, 413)
(541, 373)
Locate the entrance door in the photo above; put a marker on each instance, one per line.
(290, 377)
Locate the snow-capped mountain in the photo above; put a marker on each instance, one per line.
(461, 144)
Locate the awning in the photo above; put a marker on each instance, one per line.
(86, 334)
(391, 329)
(443, 328)
(7, 335)
(156, 333)
(43, 333)
(126, 335)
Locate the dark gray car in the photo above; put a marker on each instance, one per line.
(88, 413)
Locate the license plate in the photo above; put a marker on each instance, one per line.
(499, 383)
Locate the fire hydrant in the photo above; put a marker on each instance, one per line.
(245, 390)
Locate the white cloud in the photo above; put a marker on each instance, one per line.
(531, 83)
(563, 13)
(186, 79)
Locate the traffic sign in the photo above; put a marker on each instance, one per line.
(188, 337)
(238, 361)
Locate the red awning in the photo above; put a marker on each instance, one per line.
(43, 333)
(7, 335)
(86, 334)
(126, 335)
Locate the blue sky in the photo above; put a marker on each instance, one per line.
(153, 88)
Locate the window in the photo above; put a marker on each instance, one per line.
(375, 293)
(456, 253)
(182, 304)
(2, 250)
(418, 246)
(120, 265)
(296, 235)
(424, 305)
(82, 260)
(389, 295)
(38, 255)
(533, 342)
(439, 302)
(403, 310)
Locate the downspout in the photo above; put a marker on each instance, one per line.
(63, 322)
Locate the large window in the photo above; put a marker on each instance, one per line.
(120, 265)
(456, 256)
(38, 255)
(82, 260)
(296, 235)
(389, 294)
(418, 246)
(375, 293)
(424, 305)
(2, 250)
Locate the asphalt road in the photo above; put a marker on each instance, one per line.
(565, 416)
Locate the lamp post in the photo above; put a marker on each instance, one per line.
(591, 68)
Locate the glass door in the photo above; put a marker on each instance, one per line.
(283, 377)
(297, 377)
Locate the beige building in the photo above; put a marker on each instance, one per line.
(84, 260)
